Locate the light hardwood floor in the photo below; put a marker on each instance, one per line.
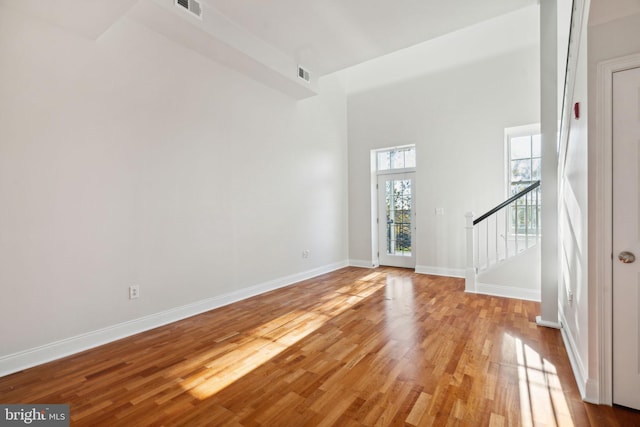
(356, 347)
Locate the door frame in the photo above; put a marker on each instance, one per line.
(373, 188)
(603, 219)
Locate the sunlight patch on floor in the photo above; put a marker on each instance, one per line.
(372, 276)
(267, 341)
(542, 401)
(228, 368)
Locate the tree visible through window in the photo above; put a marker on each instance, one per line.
(524, 163)
(398, 202)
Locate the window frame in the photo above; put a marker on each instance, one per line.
(391, 169)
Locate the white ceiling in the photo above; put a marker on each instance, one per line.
(603, 11)
(330, 35)
(492, 38)
(265, 40)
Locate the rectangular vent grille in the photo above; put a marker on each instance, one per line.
(192, 6)
(303, 74)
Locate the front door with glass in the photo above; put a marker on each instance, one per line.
(396, 220)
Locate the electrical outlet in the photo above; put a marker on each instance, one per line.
(305, 253)
(134, 292)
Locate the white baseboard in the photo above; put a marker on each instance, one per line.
(585, 387)
(46, 353)
(592, 392)
(440, 271)
(361, 263)
(507, 292)
(547, 324)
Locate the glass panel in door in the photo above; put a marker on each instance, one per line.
(396, 220)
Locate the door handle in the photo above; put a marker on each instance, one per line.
(626, 257)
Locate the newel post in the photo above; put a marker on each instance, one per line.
(470, 270)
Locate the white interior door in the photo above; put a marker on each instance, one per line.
(626, 238)
(396, 220)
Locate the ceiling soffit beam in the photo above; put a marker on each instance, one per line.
(219, 39)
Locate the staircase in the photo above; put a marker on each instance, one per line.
(503, 249)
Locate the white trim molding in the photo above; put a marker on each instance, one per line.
(588, 387)
(579, 371)
(458, 273)
(603, 222)
(507, 292)
(547, 324)
(66, 347)
(362, 263)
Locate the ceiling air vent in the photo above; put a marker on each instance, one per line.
(192, 6)
(303, 74)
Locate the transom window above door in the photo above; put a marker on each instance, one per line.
(396, 158)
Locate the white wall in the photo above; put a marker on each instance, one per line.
(519, 277)
(573, 199)
(456, 117)
(580, 255)
(131, 160)
(565, 8)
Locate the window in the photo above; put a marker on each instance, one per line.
(396, 158)
(524, 158)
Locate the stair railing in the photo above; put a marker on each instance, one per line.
(503, 232)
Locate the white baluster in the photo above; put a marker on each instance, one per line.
(470, 271)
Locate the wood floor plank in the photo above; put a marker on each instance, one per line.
(357, 347)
